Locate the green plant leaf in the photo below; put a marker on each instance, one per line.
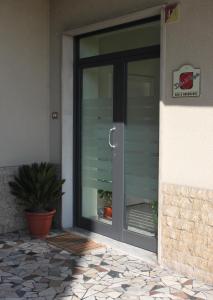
(37, 186)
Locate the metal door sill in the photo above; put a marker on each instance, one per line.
(144, 255)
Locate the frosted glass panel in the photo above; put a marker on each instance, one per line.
(97, 112)
(141, 146)
(124, 39)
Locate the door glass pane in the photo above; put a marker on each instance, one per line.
(119, 40)
(141, 146)
(96, 164)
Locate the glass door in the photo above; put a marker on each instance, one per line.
(116, 118)
(97, 112)
(141, 152)
(97, 140)
(119, 151)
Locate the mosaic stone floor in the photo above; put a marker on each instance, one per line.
(32, 269)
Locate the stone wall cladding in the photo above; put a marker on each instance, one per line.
(187, 230)
(11, 214)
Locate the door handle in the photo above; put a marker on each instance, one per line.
(110, 134)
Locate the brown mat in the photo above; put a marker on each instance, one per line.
(73, 243)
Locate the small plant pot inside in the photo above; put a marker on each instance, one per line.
(39, 224)
(108, 212)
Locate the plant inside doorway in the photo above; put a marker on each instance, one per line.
(37, 188)
(107, 198)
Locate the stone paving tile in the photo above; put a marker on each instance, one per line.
(32, 269)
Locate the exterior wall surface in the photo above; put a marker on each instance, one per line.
(24, 95)
(187, 123)
(11, 214)
(186, 141)
(24, 72)
(187, 230)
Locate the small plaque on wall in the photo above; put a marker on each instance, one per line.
(186, 82)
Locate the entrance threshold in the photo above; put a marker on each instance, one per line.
(144, 255)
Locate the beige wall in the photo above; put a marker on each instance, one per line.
(24, 72)
(187, 124)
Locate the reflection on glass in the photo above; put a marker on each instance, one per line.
(141, 146)
(119, 40)
(97, 111)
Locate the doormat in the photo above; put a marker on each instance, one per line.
(74, 243)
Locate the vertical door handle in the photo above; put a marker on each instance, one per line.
(110, 134)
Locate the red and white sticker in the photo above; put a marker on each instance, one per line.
(186, 82)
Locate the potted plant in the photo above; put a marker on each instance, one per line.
(107, 197)
(37, 188)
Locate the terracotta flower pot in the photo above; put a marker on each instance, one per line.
(39, 224)
(108, 212)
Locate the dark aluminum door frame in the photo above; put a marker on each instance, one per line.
(119, 62)
(115, 230)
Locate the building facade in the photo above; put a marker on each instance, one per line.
(111, 70)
